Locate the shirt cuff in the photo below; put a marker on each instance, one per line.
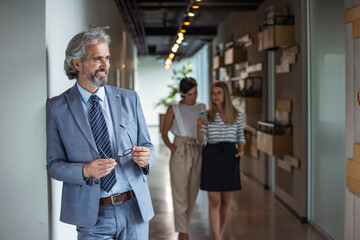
(145, 169)
(88, 180)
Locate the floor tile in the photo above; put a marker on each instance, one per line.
(255, 214)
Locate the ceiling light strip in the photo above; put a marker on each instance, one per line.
(185, 23)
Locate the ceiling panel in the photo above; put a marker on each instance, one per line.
(154, 24)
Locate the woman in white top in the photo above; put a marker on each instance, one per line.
(185, 161)
(223, 135)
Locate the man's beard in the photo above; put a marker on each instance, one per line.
(94, 80)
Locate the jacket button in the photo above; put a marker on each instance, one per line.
(96, 181)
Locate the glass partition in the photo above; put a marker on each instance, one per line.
(327, 115)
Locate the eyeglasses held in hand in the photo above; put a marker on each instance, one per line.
(125, 153)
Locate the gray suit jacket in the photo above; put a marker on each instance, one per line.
(70, 144)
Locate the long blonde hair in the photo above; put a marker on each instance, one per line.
(231, 113)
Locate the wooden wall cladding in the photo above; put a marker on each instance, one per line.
(282, 68)
(218, 62)
(353, 16)
(294, 162)
(288, 57)
(247, 142)
(245, 41)
(254, 151)
(282, 117)
(241, 69)
(254, 68)
(235, 55)
(225, 74)
(276, 36)
(288, 163)
(353, 170)
(252, 146)
(284, 35)
(277, 144)
(283, 105)
(285, 165)
(274, 145)
(248, 105)
(283, 111)
(284, 174)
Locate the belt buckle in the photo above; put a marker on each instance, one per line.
(113, 199)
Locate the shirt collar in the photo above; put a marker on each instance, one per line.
(85, 95)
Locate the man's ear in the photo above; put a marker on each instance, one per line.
(77, 64)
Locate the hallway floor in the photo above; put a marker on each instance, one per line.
(255, 214)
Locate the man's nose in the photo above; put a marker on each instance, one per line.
(105, 63)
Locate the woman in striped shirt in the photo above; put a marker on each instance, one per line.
(223, 135)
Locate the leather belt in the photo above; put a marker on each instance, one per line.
(117, 198)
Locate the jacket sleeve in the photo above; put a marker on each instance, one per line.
(58, 165)
(143, 135)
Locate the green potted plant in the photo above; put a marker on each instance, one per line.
(172, 97)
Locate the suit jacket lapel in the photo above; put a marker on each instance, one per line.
(74, 100)
(115, 104)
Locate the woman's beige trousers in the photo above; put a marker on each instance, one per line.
(185, 167)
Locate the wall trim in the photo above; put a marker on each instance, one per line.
(253, 178)
(321, 232)
(302, 219)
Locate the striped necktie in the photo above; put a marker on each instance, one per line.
(102, 140)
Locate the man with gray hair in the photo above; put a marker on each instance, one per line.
(98, 145)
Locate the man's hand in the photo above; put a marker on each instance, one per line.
(141, 155)
(98, 168)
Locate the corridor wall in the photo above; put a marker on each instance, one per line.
(23, 178)
(352, 60)
(153, 76)
(291, 86)
(64, 19)
(314, 190)
(327, 116)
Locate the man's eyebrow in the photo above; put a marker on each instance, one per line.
(101, 56)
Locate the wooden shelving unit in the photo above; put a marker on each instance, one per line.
(271, 142)
(276, 32)
(248, 92)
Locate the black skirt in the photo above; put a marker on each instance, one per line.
(220, 168)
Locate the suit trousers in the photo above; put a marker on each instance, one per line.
(185, 167)
(121, 221)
